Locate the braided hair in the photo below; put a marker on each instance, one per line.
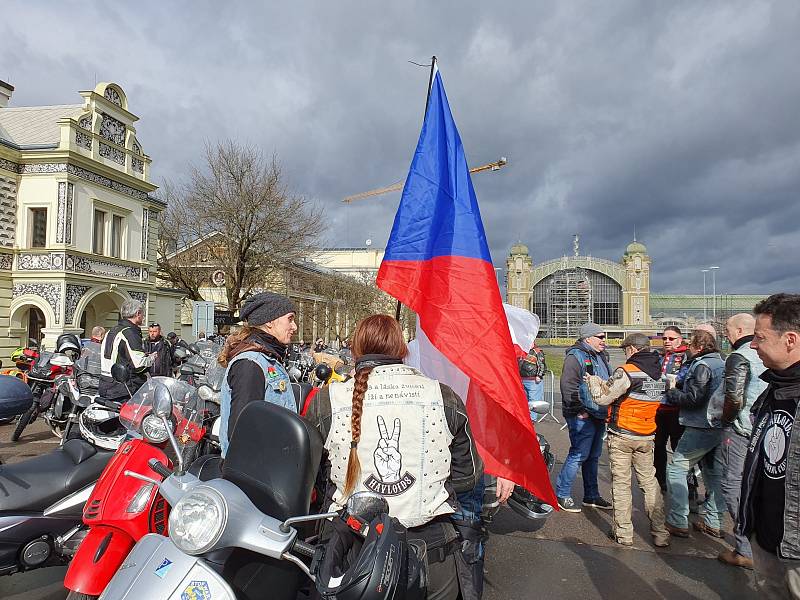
(378, 334)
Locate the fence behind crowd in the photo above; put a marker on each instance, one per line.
(550, 395)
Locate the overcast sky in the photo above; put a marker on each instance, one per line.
(677, 118)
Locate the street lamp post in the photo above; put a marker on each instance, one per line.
(705, 300)
(714, 293)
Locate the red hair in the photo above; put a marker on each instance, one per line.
(378, 334)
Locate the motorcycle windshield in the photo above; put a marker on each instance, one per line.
(215, 375)
(186, 416)
(206, 354)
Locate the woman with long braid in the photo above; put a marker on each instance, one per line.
(395, 432)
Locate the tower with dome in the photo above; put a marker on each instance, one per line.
(570, 290)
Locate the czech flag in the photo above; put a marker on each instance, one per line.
(437, 262)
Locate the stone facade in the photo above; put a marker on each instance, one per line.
(78, 221)
(619, 292)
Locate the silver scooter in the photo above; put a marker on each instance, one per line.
(233, 537)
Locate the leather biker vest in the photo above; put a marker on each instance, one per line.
(404, 449)
(635, 413)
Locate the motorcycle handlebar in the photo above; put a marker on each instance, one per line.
(302, 548)
(159, 468)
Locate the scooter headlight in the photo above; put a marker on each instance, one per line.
(154, 430)
(198, 520)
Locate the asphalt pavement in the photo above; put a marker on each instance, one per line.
(570, 557)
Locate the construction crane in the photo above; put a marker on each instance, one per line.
(492, 166)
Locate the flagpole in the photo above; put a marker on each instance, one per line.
(427, 101)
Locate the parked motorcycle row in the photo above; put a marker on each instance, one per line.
(139, 503)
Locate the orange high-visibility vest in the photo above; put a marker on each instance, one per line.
(635, 413)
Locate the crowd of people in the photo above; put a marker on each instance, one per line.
(729, 422)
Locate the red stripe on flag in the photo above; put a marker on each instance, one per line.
(460, 310)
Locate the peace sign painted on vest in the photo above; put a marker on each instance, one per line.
(388, 460)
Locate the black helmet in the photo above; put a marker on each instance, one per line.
(385, 566)
(68, 342)
(323, 371)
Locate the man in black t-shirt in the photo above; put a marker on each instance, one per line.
(770, 499)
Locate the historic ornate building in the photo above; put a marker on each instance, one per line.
(78, 223)
(568, 291)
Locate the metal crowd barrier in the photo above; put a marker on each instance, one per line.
(550, 395)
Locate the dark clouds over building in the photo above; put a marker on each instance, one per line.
(678, 119)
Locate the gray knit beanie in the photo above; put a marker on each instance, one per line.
(265, 307)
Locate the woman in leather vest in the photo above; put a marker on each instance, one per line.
(254, 357)
(393, 431)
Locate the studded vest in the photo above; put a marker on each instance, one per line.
(404, 449)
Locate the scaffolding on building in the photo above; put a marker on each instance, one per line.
(569, 303)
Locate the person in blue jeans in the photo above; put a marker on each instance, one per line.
(532, 368)
(699, 441)
(586, 420)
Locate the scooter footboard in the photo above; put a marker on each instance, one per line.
(156, 569)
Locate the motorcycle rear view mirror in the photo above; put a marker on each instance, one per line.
(367, 505)
(162, 402)
(194, 348)
(120, 373)
(540, 407)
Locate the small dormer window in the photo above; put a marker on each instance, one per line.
(113, 96)
(84, 140)
(112, 130)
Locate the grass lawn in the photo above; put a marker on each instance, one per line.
(555, 359)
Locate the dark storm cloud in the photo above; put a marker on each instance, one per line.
(678, 119)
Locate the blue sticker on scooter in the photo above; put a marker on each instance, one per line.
(164, 568)
(196, 590)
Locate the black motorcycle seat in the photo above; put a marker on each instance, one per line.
(273, 457)
(35, 484)
(207, 467)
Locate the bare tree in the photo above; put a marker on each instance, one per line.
(238, 216)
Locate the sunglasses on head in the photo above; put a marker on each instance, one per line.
(154, 325)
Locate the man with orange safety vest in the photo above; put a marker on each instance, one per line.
(634, 393)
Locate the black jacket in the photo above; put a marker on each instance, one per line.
(163, 364)
(783, 385)
(575, 396)
(123, 342)
(246, 378)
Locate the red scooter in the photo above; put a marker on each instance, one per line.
(122, 509)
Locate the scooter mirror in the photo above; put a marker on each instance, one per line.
(194, 348)
(120, 373)
(367, 505)
(540, 407)
(162, 402)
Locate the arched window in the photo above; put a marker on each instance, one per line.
(112, 95)
(84, 138)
